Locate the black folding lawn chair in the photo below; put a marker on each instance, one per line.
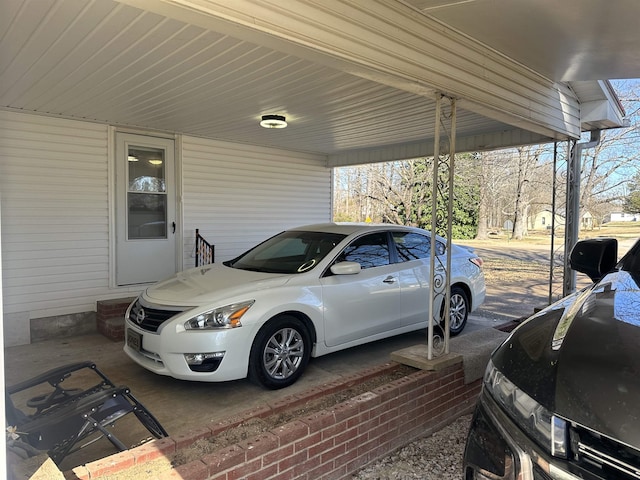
(63, 420)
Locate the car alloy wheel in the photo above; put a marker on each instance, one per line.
(459, 311)
(280, 352)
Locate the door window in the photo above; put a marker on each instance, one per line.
(146, 193)
(412, 246)
(369, 251)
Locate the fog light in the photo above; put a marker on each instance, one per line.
(200, 358)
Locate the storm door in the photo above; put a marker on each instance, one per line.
(145, 209)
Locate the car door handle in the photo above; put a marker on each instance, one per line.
(389, 279)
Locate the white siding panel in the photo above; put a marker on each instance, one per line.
(238, 195)
(54, 189)
(54, 195)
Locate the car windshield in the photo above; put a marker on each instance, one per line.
(288, 252)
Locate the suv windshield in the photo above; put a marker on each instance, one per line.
(288, 252)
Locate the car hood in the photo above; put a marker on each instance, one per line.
(580, 357)
(211, 283)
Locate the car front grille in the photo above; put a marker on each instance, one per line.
(149, 318)
(603, 456)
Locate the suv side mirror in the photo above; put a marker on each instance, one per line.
(596, 257)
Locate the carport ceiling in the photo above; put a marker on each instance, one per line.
(357, 80)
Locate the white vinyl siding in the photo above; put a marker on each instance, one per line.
(238, 195)
(54, 188)
(55, 199)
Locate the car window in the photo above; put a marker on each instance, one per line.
(369, 251)
(412, 246)
(288, 252)
(285, 248)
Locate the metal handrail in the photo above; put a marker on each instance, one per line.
(205, 252)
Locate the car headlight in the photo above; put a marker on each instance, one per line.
(223, 317)
(539, 423)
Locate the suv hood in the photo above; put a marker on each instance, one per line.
(580, 357)
(210, 283)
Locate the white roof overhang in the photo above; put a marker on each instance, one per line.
(357, 80)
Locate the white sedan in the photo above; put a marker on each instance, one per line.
(303, 293)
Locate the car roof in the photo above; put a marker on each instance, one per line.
(348, 228)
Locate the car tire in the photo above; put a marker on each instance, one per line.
(459, 308)
(280, 352)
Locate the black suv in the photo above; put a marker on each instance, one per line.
(561, 396)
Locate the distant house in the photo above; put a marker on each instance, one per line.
(586, 221)
(621, 217)
(542, 220)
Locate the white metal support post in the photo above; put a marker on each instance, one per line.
(434, 280)
(441, 213)
(572, 228)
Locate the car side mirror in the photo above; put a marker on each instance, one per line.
(345, 268)
(596, 257)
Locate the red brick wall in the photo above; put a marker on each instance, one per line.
(330, 444)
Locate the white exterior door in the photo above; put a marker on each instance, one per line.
(145, 209)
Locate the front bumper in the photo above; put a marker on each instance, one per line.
(163, 352)
(498, 450)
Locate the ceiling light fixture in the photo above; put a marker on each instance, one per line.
(155, 161)
(273, 121)
(132, 158)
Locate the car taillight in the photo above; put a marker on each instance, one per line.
(477, 261)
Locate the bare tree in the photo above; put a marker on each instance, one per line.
(483, 210)
(608, 168)
(403, 190)
(513, 184)
(497, 184)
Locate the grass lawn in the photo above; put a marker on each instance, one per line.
(619, 230)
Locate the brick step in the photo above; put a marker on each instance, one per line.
(110, 317)
(112, 328)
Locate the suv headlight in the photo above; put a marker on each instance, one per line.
(539, 423)
(223, 317)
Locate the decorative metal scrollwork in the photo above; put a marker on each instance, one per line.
(441, 211)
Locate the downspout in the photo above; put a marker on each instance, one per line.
(572, 228)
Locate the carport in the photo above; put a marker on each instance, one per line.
(357, 82)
